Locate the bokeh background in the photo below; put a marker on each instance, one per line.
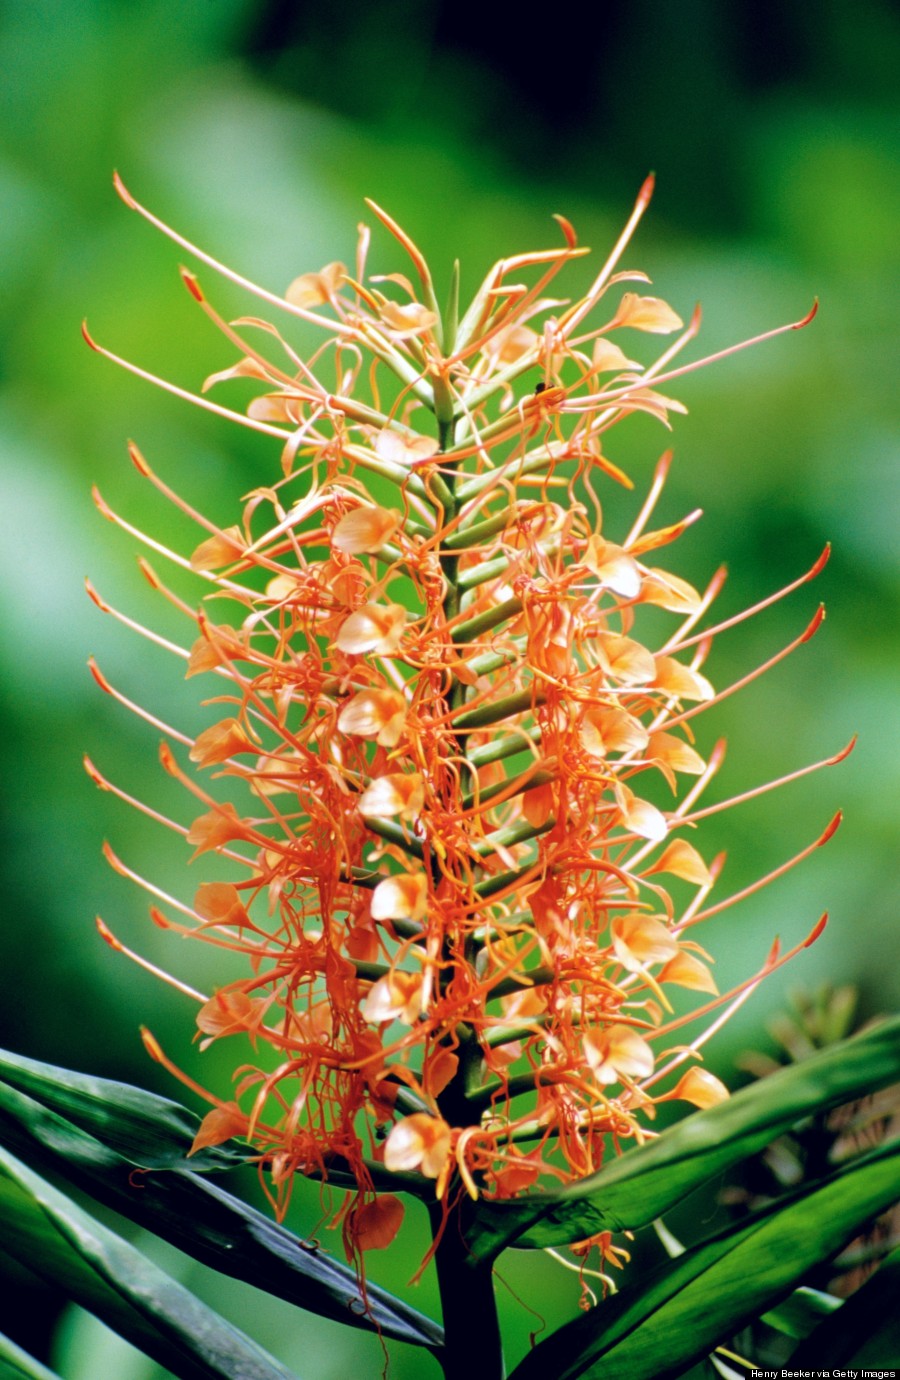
(257, 127)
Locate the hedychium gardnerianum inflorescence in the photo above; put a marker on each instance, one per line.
(440, 728)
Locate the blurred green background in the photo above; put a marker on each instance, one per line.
(257, 128)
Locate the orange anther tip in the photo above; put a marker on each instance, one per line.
(148, 572)
(696, 318)
(98, 675)
(831, 828)
(821, 562)
(87, 335)
(166, 758)
(124, 192)
(647, 187)
(94, 774)
(844, 752)
(190, 281)
(151, 1044)
(809, 315)
(95, 597)
(815, 624)
(138, 460)
(100, 503)
(816, 930)
(568, 230)
(109, 855)
(159, 919)
(107, 935)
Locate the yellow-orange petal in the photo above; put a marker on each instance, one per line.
(221, 549)
(537, 804)
(685, 970)
(373, 628)
(681, 859)
(397, 794)
(215, 647)
(228, 1012)
(400, 449)
(613, 567)
(639, 939)
(671, 751)
(625, 659)
(365, 529)
(418, 1142)
(401, 897)
(607, 356)
(439, 1070)
(702, 1088)
(219, 1125)
(407, 318)
(394, 997)
(373, 713)
(612, 730)
(617, 1050)
(646, 314)
(683, 681)
(375, 1224)
(215, 828)
(640, 816)
(669, 592)
(219, 742)
(314, 289)
(220, 902)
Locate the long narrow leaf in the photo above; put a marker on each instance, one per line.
(209, 1224)
(644, 1183)
(802, 1311)
(146, 1129)
(680, 1312)
(44, 1229)
(866, 1329)
(16, 1364)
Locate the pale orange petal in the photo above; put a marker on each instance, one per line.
(376, 1224)
(681, 859)
(687, 971)
(374, 713)
(365, 529)
(401, 897)
(373, 628)
(639, 939)
(222, 549)
(646, 314)
(680, 680)
(398, 793)
(700, 1087)
(219, 742)
(219, 1125)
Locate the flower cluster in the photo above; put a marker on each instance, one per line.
(460, 775)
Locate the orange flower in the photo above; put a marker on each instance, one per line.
(448, 711)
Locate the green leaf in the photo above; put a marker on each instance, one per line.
(644, 1183)
(205, 1221)
(803, 1311)
(16, 1364)
(681, 1311)
(46, 1231)
(866, 1329)
(148, 1130)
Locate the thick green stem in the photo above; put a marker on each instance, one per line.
(472, 1348)
(472, 1344)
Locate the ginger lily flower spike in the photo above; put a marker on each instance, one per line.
(438, 738)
